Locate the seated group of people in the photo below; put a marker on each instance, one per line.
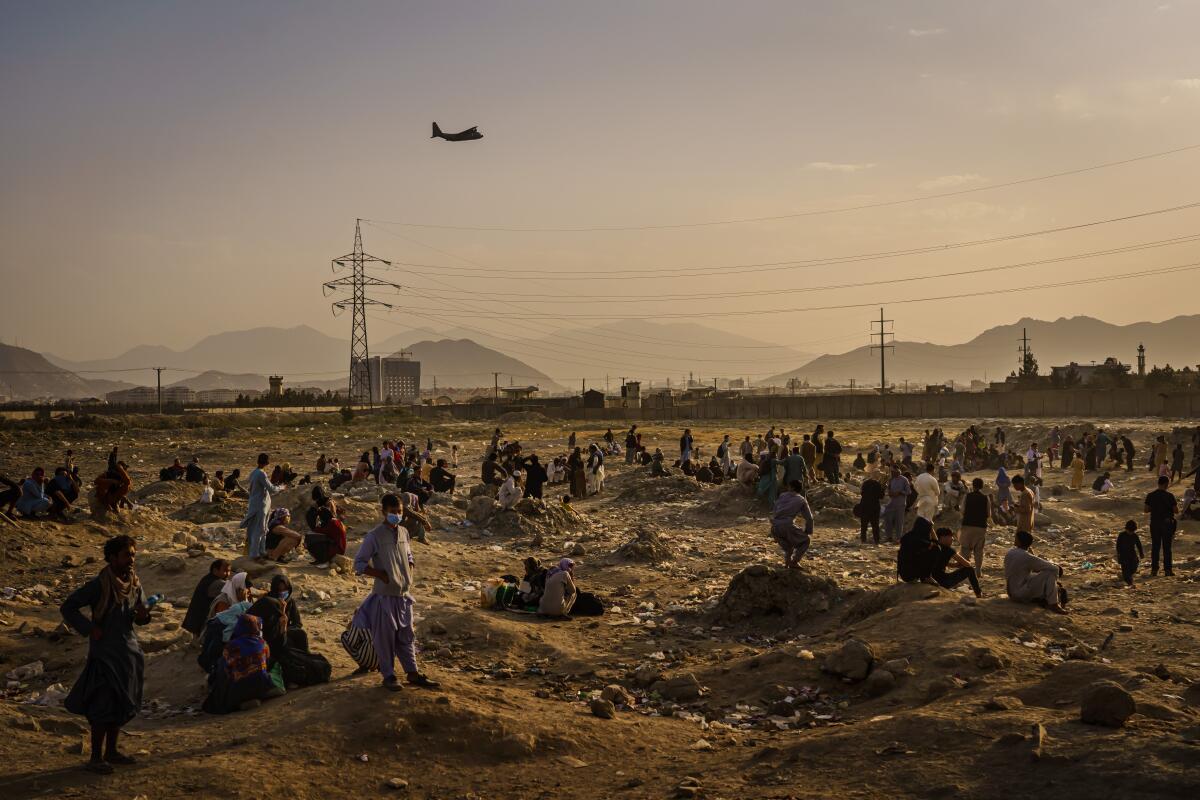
(251, 649)
(550, 592)
(326, 536)
(54, 496)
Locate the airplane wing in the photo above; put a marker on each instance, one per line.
(474, 129)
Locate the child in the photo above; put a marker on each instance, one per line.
(1129, 552)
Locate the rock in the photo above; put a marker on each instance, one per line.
(184, 538)
(617, 695)
(397, 784)
(1004, 702)
(880, 681)
(852, 660)
(987, 659)
(252, 568)
(943, 685)
(647, 547)
(763, 591)
(1106, 703)
(27, 671)
(681, 688)
(647, 675)
(604, 709)
(1159, 711)
(436, 628)
(1081, 652)
(483, 490)
(173, 564)
(897, 666)
(480, 509)
(517, 745)
(342, 563)
(577, 550)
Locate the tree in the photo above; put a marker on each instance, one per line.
(1160, 377)
(1072, 378)
(1029, 365)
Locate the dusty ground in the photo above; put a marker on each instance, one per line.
(514, 720)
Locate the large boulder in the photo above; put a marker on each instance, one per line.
(853, 660)
(1106, 703)
(480, 509)
(647, 547)
(681, 688)
(763, 591)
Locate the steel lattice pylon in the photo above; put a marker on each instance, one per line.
(360, 388)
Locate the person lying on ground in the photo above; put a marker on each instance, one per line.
(284, 633)
(560, 593)
(203, 595)
(943, 556)
(792, 539)
(175, 472)
(1031, 579)
(281, 539)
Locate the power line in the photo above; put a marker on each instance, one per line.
(800, 214)
(649, 273)
(778, 291)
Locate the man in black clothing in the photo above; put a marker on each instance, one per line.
(492, 473)
(1129, 552)
(1162, 506)
(193, 472)
(914, 560)
(535, 477)
(206, 590)
(1128, 447)
(832, 462)
(868, 508)
(442, 479)
(943, 555)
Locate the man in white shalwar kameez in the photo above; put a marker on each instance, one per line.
(1029, 578)
(928, 493)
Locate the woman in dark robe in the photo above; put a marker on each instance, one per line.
(575, 468)
(284, 633)
(1068, 451)
(206, 591)
(242, 677)
(109, 691)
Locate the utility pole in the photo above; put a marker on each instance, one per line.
(883, 347)
(360, 389)
(606, 383)
(495, 388)
(435, 385)
(159, 370)
(1024, 351)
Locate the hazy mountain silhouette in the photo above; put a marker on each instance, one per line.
(994, 352)
(464, 363)
(26, 375)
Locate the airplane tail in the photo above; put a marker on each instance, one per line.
(436, 131)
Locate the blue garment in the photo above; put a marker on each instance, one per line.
(229, 618)
(33, 498)
(258, 510)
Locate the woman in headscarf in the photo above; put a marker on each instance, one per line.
(284, 633)
(577, 473)
(559, 596)
(1076, 469)
(109, 690)
(510, 492)
(281, 539)
(1003, 488)
(768, 485)
(236, 590)
(242, 678)
(533, 585)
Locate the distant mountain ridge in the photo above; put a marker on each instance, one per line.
(993, 353)
(26, 375)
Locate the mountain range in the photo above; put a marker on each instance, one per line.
(994, 354)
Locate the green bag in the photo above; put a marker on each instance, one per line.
(277, 677)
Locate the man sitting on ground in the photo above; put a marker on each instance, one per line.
(492, 473)
(944, 555)
(175, 472)
(442, 479)
(747, 472)
(194, 473)
(1031, 579)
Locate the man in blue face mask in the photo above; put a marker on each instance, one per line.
(386, 555)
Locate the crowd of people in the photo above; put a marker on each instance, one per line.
(252, 643)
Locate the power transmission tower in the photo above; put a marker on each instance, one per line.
(360, 387)
(883, 347)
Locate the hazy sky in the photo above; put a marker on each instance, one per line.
(169, 170)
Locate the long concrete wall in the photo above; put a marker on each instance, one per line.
(1026, 403)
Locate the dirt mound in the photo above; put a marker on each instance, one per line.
(731, 499)
(761, 591)
(167, 495)
(208, 513)
(531, 417)
(833, 502)
(661, 490)
(874, 601)
(537, 519)
(646, 547)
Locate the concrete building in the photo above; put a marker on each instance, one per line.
(138, 395)
(395, 379)
(631, 394)
(276, 390)
(512, 393)
(1108, 374)
(217, 397)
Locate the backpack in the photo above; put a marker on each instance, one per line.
(358, 643)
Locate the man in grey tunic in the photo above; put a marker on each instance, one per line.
(1029, 578)
(793, 539)
(258, 508)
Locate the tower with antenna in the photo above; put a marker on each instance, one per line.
(357, 282)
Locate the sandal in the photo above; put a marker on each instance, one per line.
(99, 767)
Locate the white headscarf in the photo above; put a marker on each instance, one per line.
(229, 592)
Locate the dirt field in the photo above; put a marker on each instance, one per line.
(726, 693)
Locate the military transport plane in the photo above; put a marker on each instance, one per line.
(461, 136)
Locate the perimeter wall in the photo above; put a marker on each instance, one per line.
(975, 405)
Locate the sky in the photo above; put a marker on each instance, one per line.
(170, 170)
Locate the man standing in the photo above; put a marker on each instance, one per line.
(685, 445)
(928, 493)
(795, 469)
(258, 509)
(809, 451)
(631, 444)
(747, 448)
(868, 507)
(977, 510)
(109, 691)
(893, 516)
(832, 464)
(1024, 504)
(1127, 445)
(386, 555)
(1162, 506)
(723, 457)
